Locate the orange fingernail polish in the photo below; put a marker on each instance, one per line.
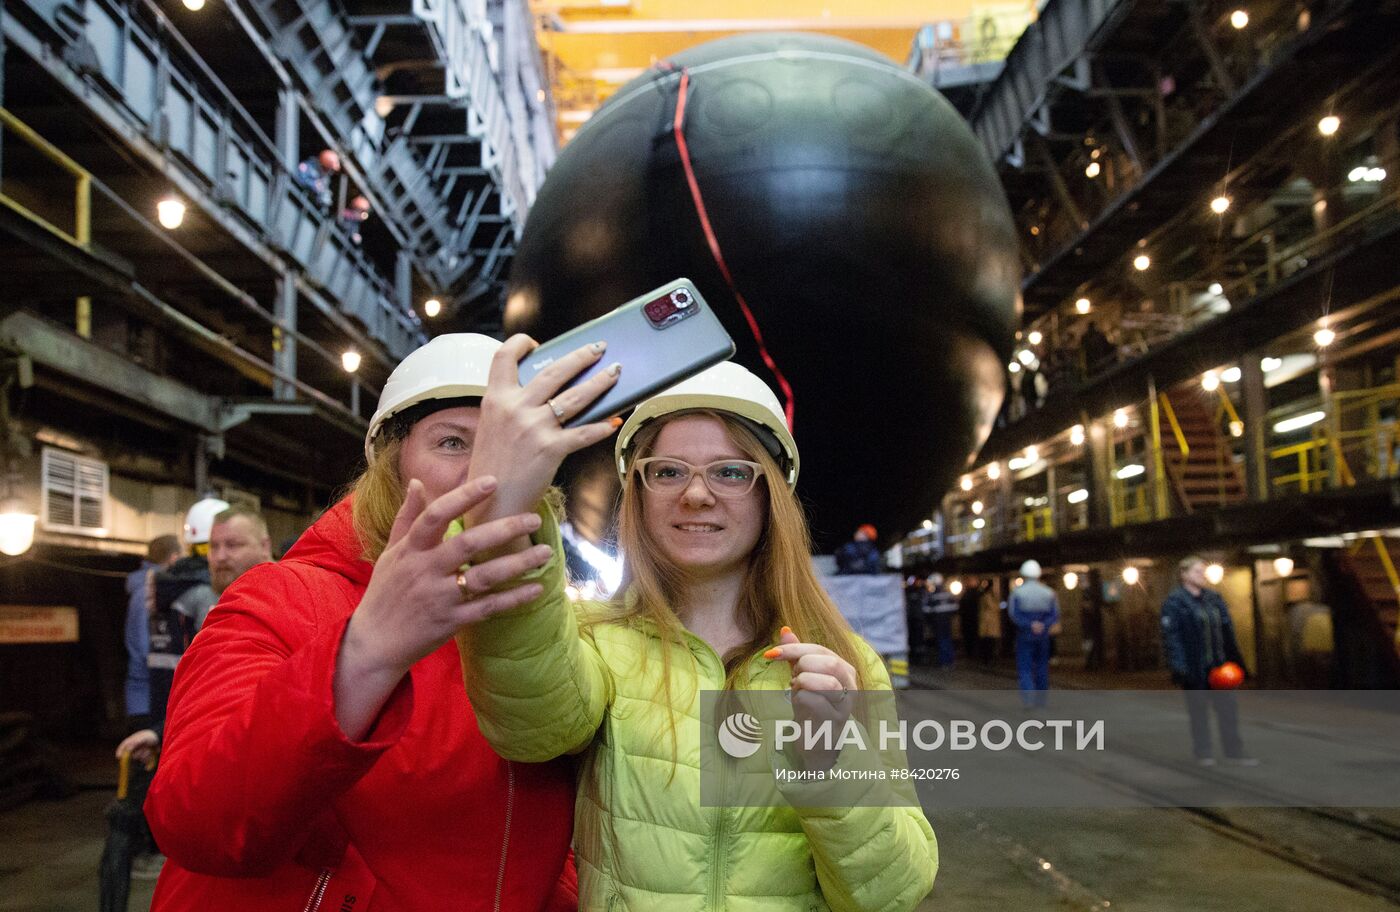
(615, 422)
(773, 653)
(786, 629)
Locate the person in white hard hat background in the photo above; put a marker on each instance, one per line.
(320, 749)
(717, 569)
(1034, 610)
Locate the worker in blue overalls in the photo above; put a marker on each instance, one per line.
(1034, 610)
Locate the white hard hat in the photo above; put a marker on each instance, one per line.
(448, 367)
(199, 520)
(1031, 569)
(725, 387)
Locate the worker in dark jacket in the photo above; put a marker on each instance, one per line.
(860, 554)
(1198, 636)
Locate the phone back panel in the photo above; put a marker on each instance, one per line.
(659, 338)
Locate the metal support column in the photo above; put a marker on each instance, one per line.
(1254, 408)
(1157, 467)
(288, 129)
(284, 342)
(1099, 440)
(403, 279)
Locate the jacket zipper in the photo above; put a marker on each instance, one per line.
(717, 869)
(505, 839)
(313, 902)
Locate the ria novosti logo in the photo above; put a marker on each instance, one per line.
(739, 735)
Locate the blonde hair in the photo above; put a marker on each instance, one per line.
(378, 494)
(780, 589)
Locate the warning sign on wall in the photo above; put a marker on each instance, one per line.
(38, 624)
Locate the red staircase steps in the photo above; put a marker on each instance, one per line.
(1364, 565)
(1206, 475)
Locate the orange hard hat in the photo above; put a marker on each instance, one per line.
(869, 531)
(329, 160)
(1226, 677)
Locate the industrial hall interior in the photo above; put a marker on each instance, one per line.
(432, 432)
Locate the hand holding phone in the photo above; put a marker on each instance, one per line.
(660, 338)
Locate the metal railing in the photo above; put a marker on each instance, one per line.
(81, 235)
(1360, 433)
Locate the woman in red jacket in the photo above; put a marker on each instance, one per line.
(320, 752)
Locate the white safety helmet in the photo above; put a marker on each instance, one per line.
(726, 387)
(199, 520)
(1031, 570)
(450, 366)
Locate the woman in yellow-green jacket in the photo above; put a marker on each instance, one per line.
(717, 572)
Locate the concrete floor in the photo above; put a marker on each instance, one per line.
(1144, 860)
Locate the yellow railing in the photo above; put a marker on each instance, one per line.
(1039, 523)
(1353, 434)
(81, 235)
(1174, 424)
(1129, 505)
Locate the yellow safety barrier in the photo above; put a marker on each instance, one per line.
(1354, 434)
(1039, 523)
(1174, 424)
(82, 204)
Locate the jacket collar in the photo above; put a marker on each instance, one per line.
(331, 543)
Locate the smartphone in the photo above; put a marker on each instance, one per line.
(660, 339)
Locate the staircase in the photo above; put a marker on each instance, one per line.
(1368, 571)
(1206, 475)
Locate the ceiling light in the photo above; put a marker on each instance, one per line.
(1270, 364)
(994, 471)
(1032, 454)
(1014, 367)
(1078, 495)
(1210, 381)
(1236, 428)
(955, 587)
(1220, 204)
(966, 483)
(977, 508)
(432, 307)
(1239, 19)
(1071, 580)
(1092, 170)
(1025, 356)
(1231, 375)
(1142, 262)
(1324, 337)
(1120, 418)
(1298, 422)
(16, 527)
(1375, 175)
(1216, 288)
(170, 212)
(1082, 305)
(1214, 574)
(1131, 470)
(1076, 435)
(193, 6)
(979, 523)
(928, 524)
(384, 106)
(1329, 125)
(1035, 338)
(1283, 566)
(1131, 575)
(350, 360)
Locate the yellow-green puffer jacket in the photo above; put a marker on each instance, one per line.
(541, 687)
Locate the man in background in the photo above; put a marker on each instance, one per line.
(860, 554)
(161, 552)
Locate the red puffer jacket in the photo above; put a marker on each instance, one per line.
(261, 803)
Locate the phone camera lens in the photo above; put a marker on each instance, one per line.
(682, 298)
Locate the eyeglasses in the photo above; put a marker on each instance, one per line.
(724, 477)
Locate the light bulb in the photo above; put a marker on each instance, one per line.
(1142, 262)
(1220, 204)
(966, 483)
(1076, 435)
(979, 523)
(1032, 454)
(1239, 19)
(1214, 574)
(432, 307)
(1071, 580)
(1283, 566)
(1082, 305)
(1025, 356)
(1231, 375)
(1329, 125)
(977, 508)
(1014, 367)
(1270, 364)
(1131, 575)
(928, 524)
(16, 528)
(1120, 418)
(350, 360)
(955, 587)
(170, 212)
(1216, 288)
(193, 6)
(1092, 170)
(994, 471)
(1324, 337)
(1035, 338)
(1210, 381)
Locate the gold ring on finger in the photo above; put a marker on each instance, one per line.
(558, 412)
(462, 586)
